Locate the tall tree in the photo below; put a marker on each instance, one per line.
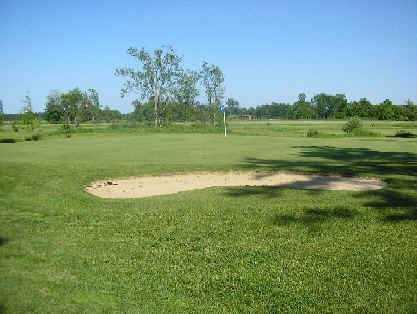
(187, 91)
(53, 108)
(302, 109)
(386, 110)
(29, 118)
(70, 103)
(213, 82)
(155, 77)
(27, 104)
(94, 103)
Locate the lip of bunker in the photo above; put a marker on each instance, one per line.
(139, 187)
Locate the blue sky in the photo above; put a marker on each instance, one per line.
(268, 50)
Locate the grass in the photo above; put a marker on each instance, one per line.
(215, 250)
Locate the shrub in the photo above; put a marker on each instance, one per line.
(15, 127)
(36, 136)
(351, 125)
(7, 140)
(312, 133)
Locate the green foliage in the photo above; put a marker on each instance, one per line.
(351, 125)
(36, 136)
(232, 106)
(109, 115)
(186, 94)
(53, 108)
(213, 83)
(156, 77)
(30, 120)
(312, 133)
(15, 126)
(324, 106)
(70, 103)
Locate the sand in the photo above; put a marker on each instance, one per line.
(139, 187)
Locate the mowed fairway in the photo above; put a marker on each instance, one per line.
(215, 250)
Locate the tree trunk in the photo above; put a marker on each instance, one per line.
(156, 103)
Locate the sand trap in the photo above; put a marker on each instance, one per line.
(169, 184)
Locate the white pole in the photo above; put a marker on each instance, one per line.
(224, 121)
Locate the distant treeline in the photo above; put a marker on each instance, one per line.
(320, 107)
(77, 106)
(324, 106)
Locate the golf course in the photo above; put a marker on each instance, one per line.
(214, 250)
(208, 157)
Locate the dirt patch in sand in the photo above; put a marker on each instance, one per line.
(169, 184)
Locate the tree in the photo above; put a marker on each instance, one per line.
(156, 76)
(362, 108)
(93, 101)
(109, 115)
(386, 110)
(213, 82)
(410, 109)
(187, 91)
(70, 103)
(232, 106)
(53, 108)
(302, 109)
(302, 97)
(27, 104)
(29, 118)
(89, 108)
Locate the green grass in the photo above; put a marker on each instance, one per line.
(215, 250)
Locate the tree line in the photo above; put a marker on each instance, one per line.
(324, 106)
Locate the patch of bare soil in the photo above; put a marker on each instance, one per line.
(139, 187)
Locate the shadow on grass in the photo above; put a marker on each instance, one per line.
(397, 201)
(343, 161)
(313, 218)
(3, 241)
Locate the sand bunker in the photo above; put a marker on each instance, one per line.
(169, 184)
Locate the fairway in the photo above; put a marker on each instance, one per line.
(221, 249)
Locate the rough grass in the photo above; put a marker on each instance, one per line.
(215, 250)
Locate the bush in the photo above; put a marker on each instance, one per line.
(312, 133)
(405, 134)
(36, 136)
(7, 140)
(15, 127)
(351, 125)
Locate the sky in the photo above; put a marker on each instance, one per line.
(268, 50)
